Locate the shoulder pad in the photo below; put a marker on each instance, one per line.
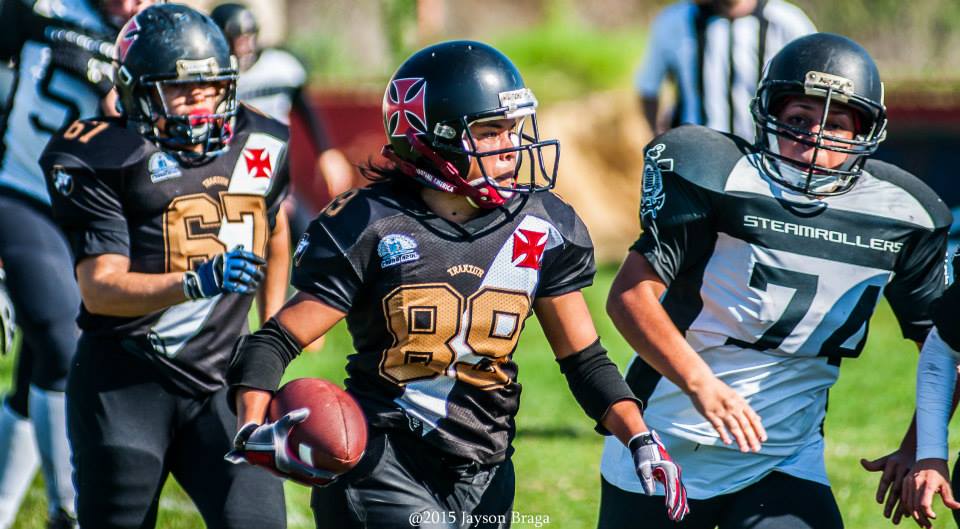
(250, 120)
(939, 213)
(96, 144)
(699, 155)
(349, 215)
(564, 218)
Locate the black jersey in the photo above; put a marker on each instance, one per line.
(115, 192)
(435, 309)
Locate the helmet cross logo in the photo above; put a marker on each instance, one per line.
(127, 38)
(406, 99)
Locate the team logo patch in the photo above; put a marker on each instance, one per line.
(652, 193)
(405, 105)
(528, 247)
(162, 167)
(62, 180)
(258, 163)
(395, 249)
(301, 248)
(128, 36)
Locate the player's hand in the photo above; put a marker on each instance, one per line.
(729, 414)
(927, 478)
(893, 468)
(265, 445)
(654, 464)
(236, 271)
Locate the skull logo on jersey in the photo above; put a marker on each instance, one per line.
(652, 190)
(405, 106)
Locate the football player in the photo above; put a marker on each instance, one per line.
(59, 51)
(936, 382)
(169, 211)
(435, 268)
(756, 273)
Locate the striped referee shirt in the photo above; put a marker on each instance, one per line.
(715, 62)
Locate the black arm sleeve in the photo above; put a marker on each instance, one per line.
(675, 218)
(917, 282)
(89, 210)
(322, 268)
(260, 359)
(595, 382)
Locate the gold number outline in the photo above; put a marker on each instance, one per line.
(184, 249)
(395, 359)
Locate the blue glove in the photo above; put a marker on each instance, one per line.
(235, 271)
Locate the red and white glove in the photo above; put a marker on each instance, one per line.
(265, 445)
(654, 464)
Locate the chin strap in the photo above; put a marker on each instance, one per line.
(482, 196)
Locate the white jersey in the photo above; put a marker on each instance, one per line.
(46, 99)
(772, 289)
(270, 84)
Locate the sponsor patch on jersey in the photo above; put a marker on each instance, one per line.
(162, 167)
(62, 180)
(301, 249)
(395, 249)
(652, 195)
(528, 247)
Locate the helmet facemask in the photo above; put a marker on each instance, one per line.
(157, 121)
(812, 178)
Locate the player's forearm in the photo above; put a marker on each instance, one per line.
(624, 420)
(251, 405)
(273, 293)
(641, 319)
(128, 294)
(936, 384)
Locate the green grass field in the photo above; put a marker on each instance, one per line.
(558, 453)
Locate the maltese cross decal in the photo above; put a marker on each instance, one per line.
(405, 106)
(528, 246)
(258, 163)
(128, 36)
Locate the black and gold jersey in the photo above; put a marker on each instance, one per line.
(114, 192)
(435, 308)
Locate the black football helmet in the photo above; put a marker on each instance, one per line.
(428, 108)
(840, 71)
(236, 20)
(169, 44)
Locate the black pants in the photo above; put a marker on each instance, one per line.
(40, 278)
(401, 483)
(129, 430)
(777, 501)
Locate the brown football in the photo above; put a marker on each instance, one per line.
(334, 436)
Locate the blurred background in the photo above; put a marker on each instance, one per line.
(580, 59)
